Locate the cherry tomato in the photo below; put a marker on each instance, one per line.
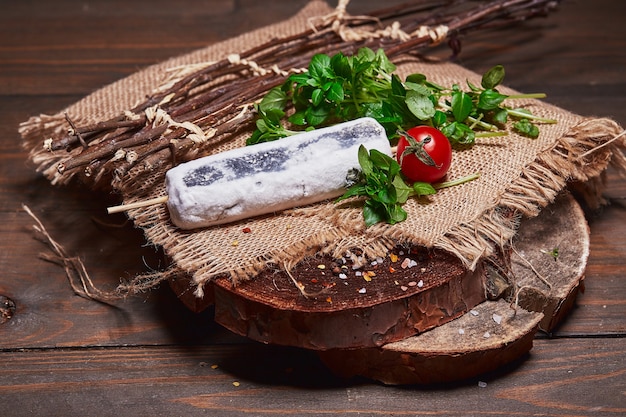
(424, 156)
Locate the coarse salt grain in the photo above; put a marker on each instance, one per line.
(412, 284)
(474, 313)
(497, 318)
(487, 335)
(482, 384)
(404, 288)
(461, 331)
(362, 291)
(343, 276)
(420, 284)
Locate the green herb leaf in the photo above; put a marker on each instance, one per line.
(492, 78)
(316, 116)
(317, 96)
(423, 188)
(341, 65)
(335, 93)
(364, 160)
(319, 65)
(501, 116)
(420, 105)
(462, 105)
(274, 99)
(526, 128)
(373, 213)
(490, 99)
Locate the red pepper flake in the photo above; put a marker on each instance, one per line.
(246, 230)
(314, 280)
(329, 300)
(392, 269)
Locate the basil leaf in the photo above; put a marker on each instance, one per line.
(419, 88)
(423, 188)
(315, 116)
(383, 62)
(317, 96)
(490, 100)
(354, 191)
(274, 99)
(526, 128)
(492, 78)
(462, 105)
(364, 160)
(335, 93)
(341, 65)
(416, 78)
(419, 105)
(397, 89)
(396, 214)
(459, 133)
(298, 118)
(403, 191)
(501, 116)
(387, 195)
(372, 213)
(439, 118)
(319, 65)
(381, 160)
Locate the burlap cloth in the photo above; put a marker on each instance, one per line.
(516, 172)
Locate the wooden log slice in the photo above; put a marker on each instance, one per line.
(493, 333)
(549, 260)
(326, 303)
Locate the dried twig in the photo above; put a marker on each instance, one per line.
(77, 275)
(209, 99)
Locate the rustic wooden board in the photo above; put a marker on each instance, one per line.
(562, 379)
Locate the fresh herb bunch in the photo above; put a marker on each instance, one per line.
(380, 181)
(341, 88)
(385, 190)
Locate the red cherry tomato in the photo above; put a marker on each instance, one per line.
(425, 156)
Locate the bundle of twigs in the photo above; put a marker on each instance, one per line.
(209, 105)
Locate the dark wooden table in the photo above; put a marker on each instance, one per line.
(64, 355)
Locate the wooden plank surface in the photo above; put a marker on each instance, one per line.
(63, 355)
(560, 378)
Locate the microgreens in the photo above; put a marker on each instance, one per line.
(341, 88)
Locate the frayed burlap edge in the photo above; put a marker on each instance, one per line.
(581, 156)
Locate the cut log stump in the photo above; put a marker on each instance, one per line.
(416, 316)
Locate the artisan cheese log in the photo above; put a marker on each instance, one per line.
(269, 177)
